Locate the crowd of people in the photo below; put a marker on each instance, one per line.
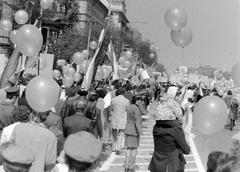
(70, 136)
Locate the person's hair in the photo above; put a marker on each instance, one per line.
(93, 97)
(4, 146)
(227, 164)
(76, 165)
(134, 100)
(120, 91)
(41, 115)
(10, 95)
(213, 158)
(127, 87)
(229, 92)
(15, 167)
(21, 113)
(101, 93)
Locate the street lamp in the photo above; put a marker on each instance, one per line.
(139, 22)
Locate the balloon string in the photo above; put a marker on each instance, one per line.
(183, 56)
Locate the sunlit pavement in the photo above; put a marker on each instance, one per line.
(201, 146)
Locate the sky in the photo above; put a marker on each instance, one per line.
(215, 25)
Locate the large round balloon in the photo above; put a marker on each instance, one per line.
(21, 17)
(183, 37)
(45, 4)
(56, 73)
(67, 81)
(126, 64)
(42, 63)
(121, 60)
(70, 71)
(235, 74)
(99, 74)
(93, 45)
(42, 93)
(175, 18)
(152, 48)
(78, 58)
(210, 115)
(85, 53)
(13, 35)
(128, 54)
(77, 77)
(5, 25)
(82, 66)
(29, 40)
(152, 55)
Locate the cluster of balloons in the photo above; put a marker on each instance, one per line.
(153, 50)
(79, 57)
(125, 63)
(27, 38)
(103, 72)
(176, 20)
(210, 115)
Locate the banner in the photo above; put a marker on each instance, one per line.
(47, 70)
(2, 63)
(176, 78)
(194, 78)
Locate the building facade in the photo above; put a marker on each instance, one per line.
(118, 12)
(5, 13)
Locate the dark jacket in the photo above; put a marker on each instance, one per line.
(77, 122)
(133, 126)
(69, 107)
(94, 114)
(6, 109)
(169, 144)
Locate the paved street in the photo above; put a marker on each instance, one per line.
(201, 146)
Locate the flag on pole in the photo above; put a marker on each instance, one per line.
(92, 69)
(112, 56)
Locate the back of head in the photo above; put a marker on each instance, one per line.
(120, 91)
(93, 97)
(213, 158)
(80, 106)
(70, 92)
(21, 113)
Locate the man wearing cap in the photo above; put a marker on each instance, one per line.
(7, 107)
(77, 122)
(17, 158)
(82, 150)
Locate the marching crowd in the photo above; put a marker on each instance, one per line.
(70, 136)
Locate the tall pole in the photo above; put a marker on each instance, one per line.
(89, 33)
(40, 29)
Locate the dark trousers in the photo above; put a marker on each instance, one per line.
(232, 123)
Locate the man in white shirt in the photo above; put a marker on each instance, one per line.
(20, 114)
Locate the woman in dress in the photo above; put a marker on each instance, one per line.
(169, 138)
(132, 131)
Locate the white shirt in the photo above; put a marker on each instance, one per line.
(7, 132)
(60, 168)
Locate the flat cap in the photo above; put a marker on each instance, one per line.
(18, 154)
(83, 147)
(12, 90)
